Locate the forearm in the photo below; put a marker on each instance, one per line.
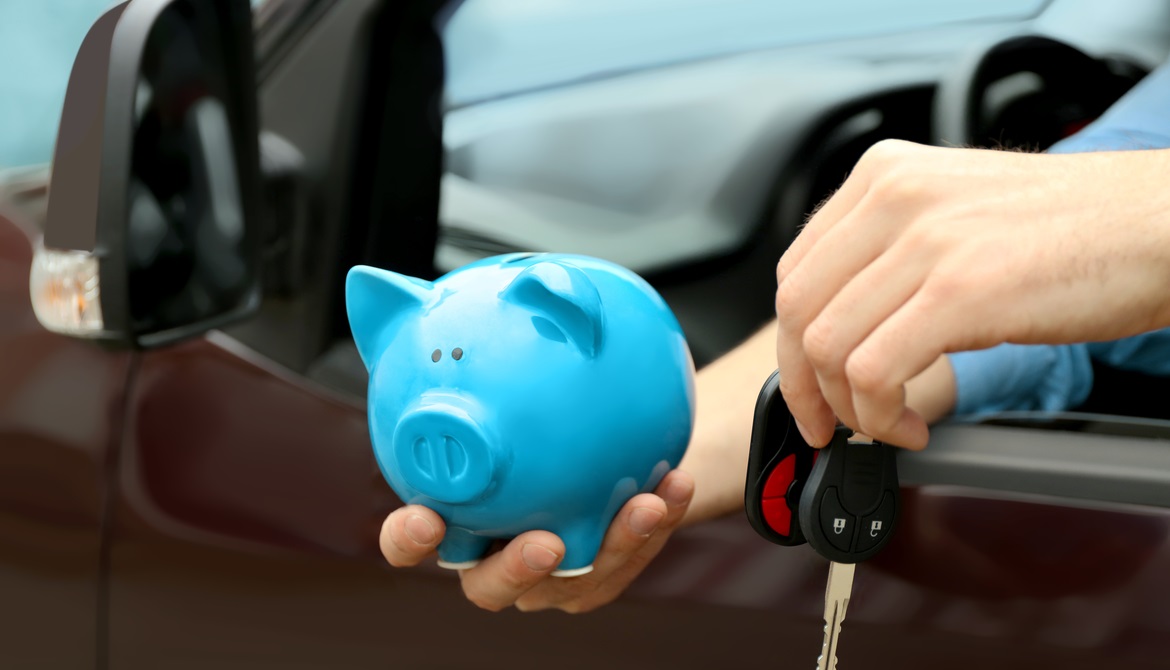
(717, 457)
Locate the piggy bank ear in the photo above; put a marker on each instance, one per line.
(375, 301)
(566, 298)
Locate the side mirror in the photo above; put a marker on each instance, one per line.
(150, 233)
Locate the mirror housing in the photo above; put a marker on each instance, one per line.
(150, 233)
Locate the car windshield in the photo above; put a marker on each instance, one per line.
(38, 41)
(494, 47)
(502, 47)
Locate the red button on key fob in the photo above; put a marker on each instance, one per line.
(775, 504)
(779, 464)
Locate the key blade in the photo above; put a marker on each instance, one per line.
(837, 592)
(839, 587)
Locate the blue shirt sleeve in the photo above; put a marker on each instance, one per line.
(1053, 378)
(1021, 377)
(1148, 352)
(1140, 119)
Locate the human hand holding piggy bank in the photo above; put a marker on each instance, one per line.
(522, 392)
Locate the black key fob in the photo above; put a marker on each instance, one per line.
(842, 499)
(779, 464)
(849, 505)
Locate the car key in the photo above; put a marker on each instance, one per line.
(842, 499)
(837, 590)
(783, 468)
(847, 511)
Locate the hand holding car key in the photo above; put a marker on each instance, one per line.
(841, 499)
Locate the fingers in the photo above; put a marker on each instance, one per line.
(635, 537)
(798, 384)
(520, 573)
(503, 577)
(633, 527)
(800, 297)
(410, 534)
(676, 493)
(826, 247)
(880, 366)
(836, 284)
(854, 313)
(821, 221)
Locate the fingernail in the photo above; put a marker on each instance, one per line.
(538, 558)
(678, 493)
(804, 433)
(419, 529)
(644, 520)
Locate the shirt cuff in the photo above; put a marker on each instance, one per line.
(1110, 139)
(1013, 377)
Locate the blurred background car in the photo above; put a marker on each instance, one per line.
(215, 502)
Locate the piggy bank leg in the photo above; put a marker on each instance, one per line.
(581, 546)
(461, 549)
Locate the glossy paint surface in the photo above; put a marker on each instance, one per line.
(226, 556)
(60, 401)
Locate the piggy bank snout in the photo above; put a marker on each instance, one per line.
(444, 453)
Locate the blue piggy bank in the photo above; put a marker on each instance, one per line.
(522, 392)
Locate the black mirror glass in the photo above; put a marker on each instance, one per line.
(155, 177)
(187, 253)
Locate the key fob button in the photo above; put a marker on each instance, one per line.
(838, 525)
(774, 506)
(781, 478)
(777, 515)
(876, 526)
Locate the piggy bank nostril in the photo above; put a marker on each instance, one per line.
(456, 458)
(424, 458)
(444, 458)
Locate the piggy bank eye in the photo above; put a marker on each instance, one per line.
(436, 355)
(457, 353)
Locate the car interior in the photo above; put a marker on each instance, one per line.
(357, 180)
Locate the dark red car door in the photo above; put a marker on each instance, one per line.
(248, 507)
(247, 517)
(60, 411)
(245, 534)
